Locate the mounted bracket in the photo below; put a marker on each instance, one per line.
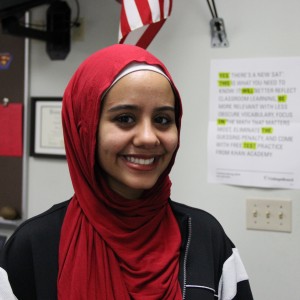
(218, 33)
(11, 25)
(57, 34)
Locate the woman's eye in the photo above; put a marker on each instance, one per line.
(162, 120)
(125, 119)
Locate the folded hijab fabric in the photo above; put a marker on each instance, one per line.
(112, 247)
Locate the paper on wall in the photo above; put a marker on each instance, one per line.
(254, 122)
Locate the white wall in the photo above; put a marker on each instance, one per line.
(257, 28)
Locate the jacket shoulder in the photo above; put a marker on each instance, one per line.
(48, 220)
(200, 218)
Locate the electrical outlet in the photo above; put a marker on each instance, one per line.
(269, 214)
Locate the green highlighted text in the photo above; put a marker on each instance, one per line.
(224, 83)
(247, 90)
(249, 145)
(221, 121)
(267, 130)
(282, 98)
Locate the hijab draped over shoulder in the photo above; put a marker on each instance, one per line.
(112, 247)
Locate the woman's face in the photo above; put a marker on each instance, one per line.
(137, 133)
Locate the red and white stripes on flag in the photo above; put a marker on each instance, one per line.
(141, 20)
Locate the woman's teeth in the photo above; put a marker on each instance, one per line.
(140, 161)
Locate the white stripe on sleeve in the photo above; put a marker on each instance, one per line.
(233, 272)
(6, 292)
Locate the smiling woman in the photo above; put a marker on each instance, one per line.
(137, 133)
(120, 236)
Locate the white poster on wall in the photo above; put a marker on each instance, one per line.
(254, 122)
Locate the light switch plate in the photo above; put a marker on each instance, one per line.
(269, 214)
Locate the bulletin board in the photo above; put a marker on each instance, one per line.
(12, 87)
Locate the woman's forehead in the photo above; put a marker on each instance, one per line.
(142, 84)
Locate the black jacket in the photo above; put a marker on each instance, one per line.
(209, 263)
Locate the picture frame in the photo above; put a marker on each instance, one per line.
(46, 128)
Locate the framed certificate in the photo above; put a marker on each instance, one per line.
(46, 128)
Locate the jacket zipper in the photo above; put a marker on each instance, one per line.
(186, 255)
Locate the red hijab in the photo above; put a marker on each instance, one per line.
(111, 247)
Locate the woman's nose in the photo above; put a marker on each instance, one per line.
(146, 135)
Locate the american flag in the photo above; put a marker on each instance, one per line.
(141, 20)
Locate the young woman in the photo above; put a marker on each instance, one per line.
(120, 236)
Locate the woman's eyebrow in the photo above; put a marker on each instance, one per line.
(123, 107)
(165, 108)
(135, 107)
